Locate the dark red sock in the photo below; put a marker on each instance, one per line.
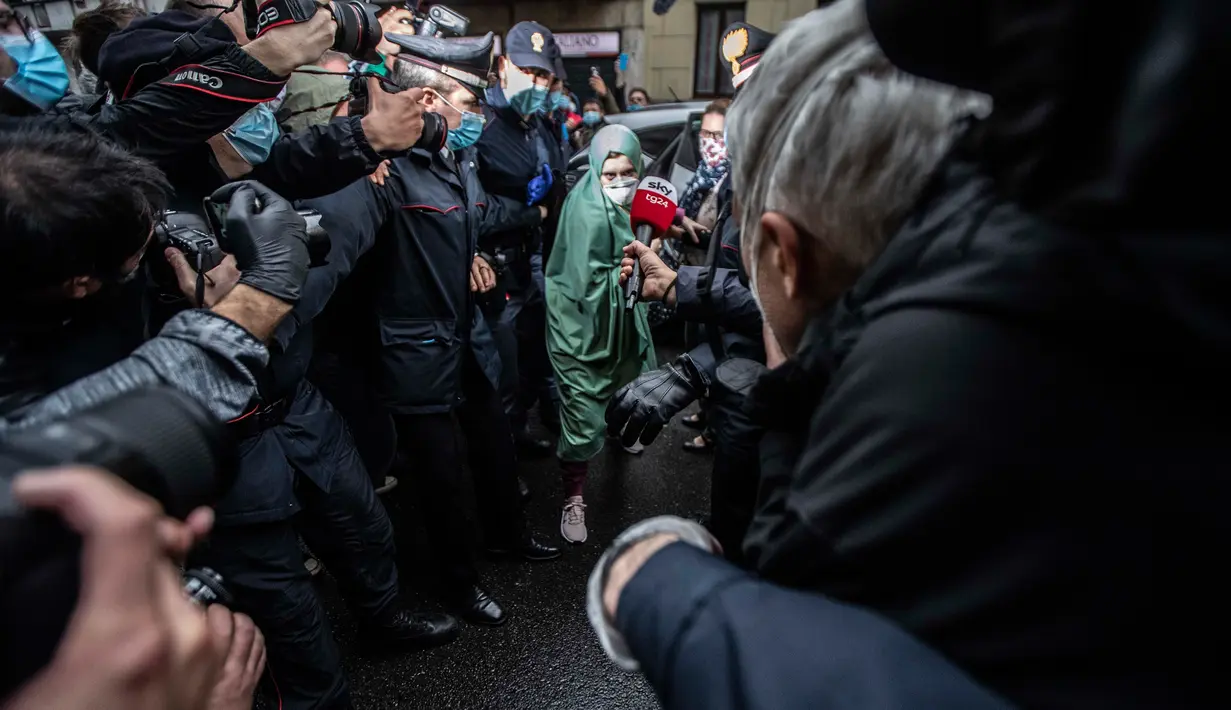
(573, 474)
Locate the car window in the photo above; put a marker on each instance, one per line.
(656, 138)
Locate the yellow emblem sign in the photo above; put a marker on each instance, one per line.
(733, 47)
(536, 41)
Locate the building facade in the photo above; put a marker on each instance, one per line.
(672, 56)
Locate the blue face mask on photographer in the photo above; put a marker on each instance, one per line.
(41, 78)
(254, 134)
(592, 118)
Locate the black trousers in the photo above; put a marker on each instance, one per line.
(437, 446)
(345, 385)
(519, 325)
(494, 305)
(348, 529)
(737, 470)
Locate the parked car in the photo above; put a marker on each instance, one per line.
(668, 135)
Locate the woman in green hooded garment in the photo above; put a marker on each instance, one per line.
(596, 346)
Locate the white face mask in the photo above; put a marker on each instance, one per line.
(621, 191)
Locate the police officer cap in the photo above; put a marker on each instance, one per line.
(465, 60)
(742, 47)
(530, 45)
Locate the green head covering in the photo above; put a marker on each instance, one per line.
(614, 139)
(596, 346)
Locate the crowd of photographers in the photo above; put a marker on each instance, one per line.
(150, 240)
(953, 468)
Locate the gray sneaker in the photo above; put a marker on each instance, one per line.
(573, 521)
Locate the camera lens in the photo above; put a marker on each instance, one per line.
(358, 30)
(435, 132)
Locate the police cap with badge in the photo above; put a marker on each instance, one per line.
(530, 45)
(742, 47)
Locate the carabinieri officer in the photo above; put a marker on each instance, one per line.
(436, 364)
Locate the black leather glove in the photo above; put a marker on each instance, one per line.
(268, 238)
(644, 406)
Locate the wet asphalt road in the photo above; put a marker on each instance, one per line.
(545, 657)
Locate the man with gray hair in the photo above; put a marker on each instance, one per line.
(974, 435)
(829, 140)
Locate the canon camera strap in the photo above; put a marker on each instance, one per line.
(183, 68)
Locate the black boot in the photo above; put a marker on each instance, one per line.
(406, 630)
(475, 605)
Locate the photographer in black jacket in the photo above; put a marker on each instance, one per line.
(176, 112)
(299, 470)
(317, 161)
(77, 215)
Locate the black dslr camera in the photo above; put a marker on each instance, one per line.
(438, 21)
(358, 29)
(161, 442)
(202, 240)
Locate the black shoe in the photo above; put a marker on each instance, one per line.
(523, 489)
(475, 605)
(529, 447)
(407, 630)
(529, 548)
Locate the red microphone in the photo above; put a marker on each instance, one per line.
(652, 212)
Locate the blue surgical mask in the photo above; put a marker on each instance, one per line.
(591, 118)
(635, 107)
(254, 134)
(468, 133)
(525, 96)
(41, 78)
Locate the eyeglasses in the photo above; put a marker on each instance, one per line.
(712, 135)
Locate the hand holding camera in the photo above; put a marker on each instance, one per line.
(395, 122)
(134, 641)
(217, 282)
(287, 47)
(353, 26)
(396, 20)
(268, 238)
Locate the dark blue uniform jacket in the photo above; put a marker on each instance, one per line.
(513, 151)
(423, 228)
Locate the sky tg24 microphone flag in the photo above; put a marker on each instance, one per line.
(654, 205)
